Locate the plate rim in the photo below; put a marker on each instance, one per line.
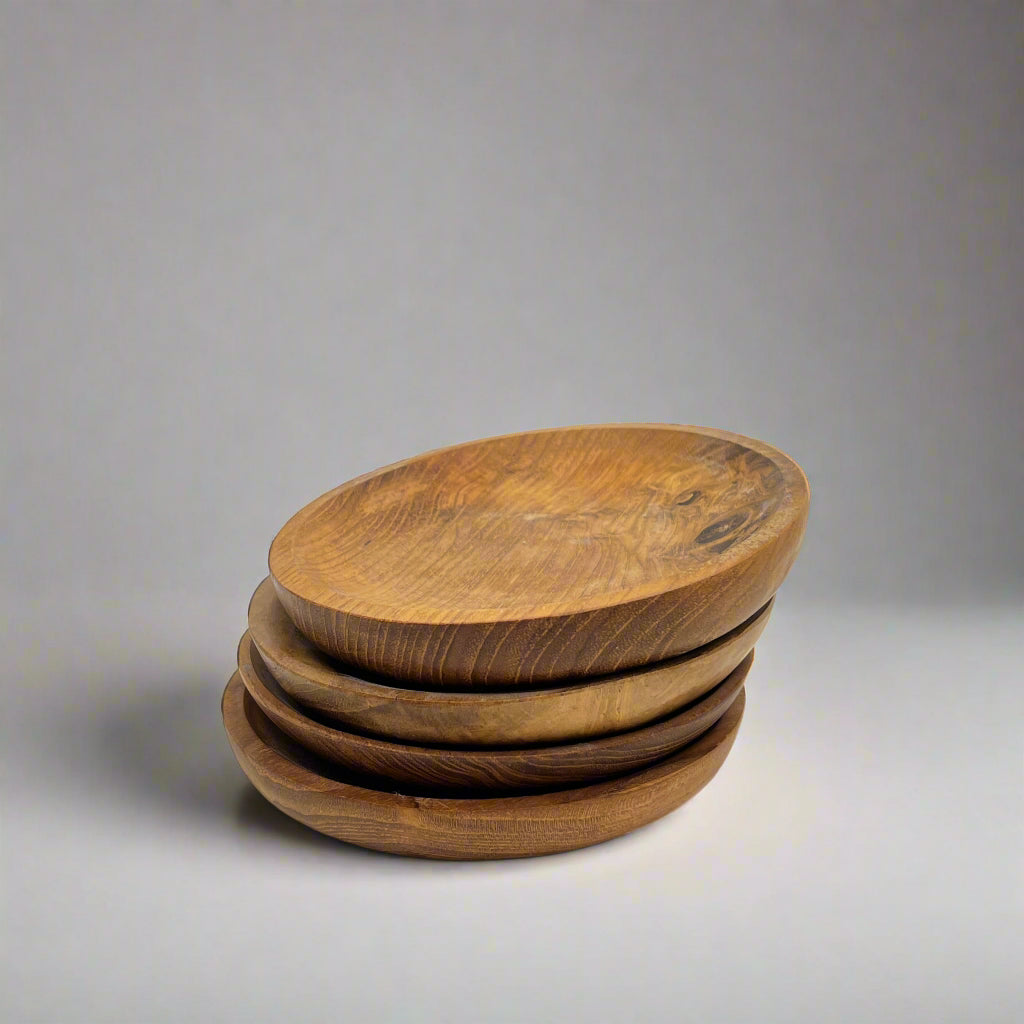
(791, 509)
(498, 759)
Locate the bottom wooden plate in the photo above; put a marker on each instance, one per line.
(329, 800)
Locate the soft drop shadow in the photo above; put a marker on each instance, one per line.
(161, 745)
(167, 747)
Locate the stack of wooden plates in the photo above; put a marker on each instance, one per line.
(515, 646)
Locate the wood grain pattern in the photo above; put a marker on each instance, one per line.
(464, 828)
(465, 770)
(543, 556)
(489, 718)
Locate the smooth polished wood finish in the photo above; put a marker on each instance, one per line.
(489, 718)
(482, 770)
(321, 797)
(543, 556)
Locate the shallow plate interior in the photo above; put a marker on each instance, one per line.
(536, 524)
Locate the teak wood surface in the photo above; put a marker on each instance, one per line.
(489, 718)
(452, 828)
(544, 556)
(478, 770)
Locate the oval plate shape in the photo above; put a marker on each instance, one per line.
(543, 556)
(325, 799)
(489, 718)
(481, 770)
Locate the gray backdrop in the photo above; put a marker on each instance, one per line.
(251, 250)
(255, 250)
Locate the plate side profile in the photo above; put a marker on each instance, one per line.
(485, 770)
(578, 710)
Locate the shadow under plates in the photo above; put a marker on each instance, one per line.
(161, 747)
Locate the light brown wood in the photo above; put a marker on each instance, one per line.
(314, 793)
(489, 718)
(543, 556)
(469, 770)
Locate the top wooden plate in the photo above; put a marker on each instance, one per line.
(542, 556)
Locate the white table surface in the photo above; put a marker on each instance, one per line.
(858, 858)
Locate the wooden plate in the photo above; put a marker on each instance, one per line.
(324, 797)
(500, 771)
(489, 718)
(543, 556)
